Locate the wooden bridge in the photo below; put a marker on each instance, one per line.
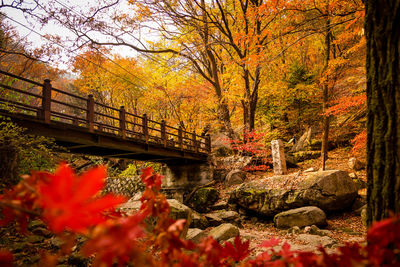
(85, 126)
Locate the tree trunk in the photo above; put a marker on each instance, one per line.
(223, 108)
(325, 93)
(225, 118)
(383, 108)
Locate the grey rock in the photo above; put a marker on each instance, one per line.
(359, 210)
(213, 219)
(224, 232)
(304, 140)
(235, 177)
(42, 232)
(315, 240)
(294, 230)
(195, 234)
(300, 217)
(220, 205)
(57, 242)
(204, 198)
(180, 211)
(312, 169)
(358, 203)
(364, 216)
(360, 184)
(355, 164)
(224, 215)
(131, 206)
(35, 224)
(177, 211)
(329, 190)
(234, 162)
(314, 230)
(220, 174)
(198, 221)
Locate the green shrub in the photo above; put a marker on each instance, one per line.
(20, 152)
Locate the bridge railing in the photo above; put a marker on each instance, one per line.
(49, 104)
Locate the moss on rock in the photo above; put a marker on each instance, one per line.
(204, 198)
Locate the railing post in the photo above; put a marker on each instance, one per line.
(208, 143)
(75, 121)
(180, 137)
(46, 101)
(122, 122)
(145, 128)
(90, 113)
(195, 147)
(163, 133)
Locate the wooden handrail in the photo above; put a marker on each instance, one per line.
(124, 124)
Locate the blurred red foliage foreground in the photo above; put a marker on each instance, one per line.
(73, 205)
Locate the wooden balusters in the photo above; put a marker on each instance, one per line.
(164, 133)
(194, 142)
(145, 128)
(46, 101)
(90, 113)
(208, 142)
(122, 122)
(180, 137)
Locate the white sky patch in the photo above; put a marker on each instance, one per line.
(35, 32)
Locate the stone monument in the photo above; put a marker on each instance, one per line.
(278, 157)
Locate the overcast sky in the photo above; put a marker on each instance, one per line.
(29, 28)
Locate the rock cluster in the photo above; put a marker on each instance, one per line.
(328, 190)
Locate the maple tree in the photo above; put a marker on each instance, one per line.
(252, 145)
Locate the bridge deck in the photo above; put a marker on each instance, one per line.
(85, 126)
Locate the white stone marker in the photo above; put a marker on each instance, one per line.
(278, 157)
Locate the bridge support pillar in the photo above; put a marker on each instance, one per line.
(186, 176)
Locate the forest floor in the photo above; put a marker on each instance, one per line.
(344, 227)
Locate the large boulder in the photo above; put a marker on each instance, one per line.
(300, 217)
(224, 232)
(195, 235)
(180, 211)
(177, 211)
(235, 177)
(204, 198)
(329, 190)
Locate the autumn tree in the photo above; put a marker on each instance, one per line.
(383, 98)
(328, 19)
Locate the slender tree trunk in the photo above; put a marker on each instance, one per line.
(383, 108)
(223, 108)
(325, 93)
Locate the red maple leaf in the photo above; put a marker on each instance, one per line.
(72, 202)
(270, 243)
(151, 179)
(6, 258)
(118, 241)
(238, 250)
